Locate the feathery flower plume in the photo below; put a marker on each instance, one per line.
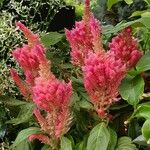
(85, 37)
(48, 93)
(52, 96)
(26, 56)
(23, 87)
(102, 77)
(125, 47)
(102, 71)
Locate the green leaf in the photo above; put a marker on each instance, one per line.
(24, 134)
(51, 38)
(146, 130)
(110, 3)
(144, 63)
(24, 145)
(99, 138)
(83, 144)
(125, 143)
(11, 101)
(148, 2)
(45, 147)
(131, 89)
(146, 19)
(143, 110)
(85, 105)
(109, 29)
(65, 144)
(140, 140)
(138, 13)
(129, 1)
(113, 140)
(25, 114)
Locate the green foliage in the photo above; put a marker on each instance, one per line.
(113, 140)
(25, 114)
(51, 38)
(143, 64)
(145, 19)
(24, 145)
(140, 140)
(131, 89)
(65, 144)
(110, 3)
(78, 7)
(146, 130)
(99, 138)
(125, 143)
(24, 134)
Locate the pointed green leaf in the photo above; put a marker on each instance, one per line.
(65, 144)
(51, 38)
(146, 130)
(26, 112)
(113, 140)
(140, 140)
(24, 134)
(99, 138)
(11, 101)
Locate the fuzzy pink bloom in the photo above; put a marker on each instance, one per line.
(48, 93)
(52, 94)
(102, 77)
(25, 91)
(125, 47)
(31, 57)
(85, 37)
(28, 60)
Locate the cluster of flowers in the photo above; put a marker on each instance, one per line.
(40, 85)
(102, 70)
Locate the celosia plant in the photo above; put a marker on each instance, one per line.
(99, 117)
(102, 71)
(40, 85)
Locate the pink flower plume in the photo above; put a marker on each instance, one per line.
(125, 47)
